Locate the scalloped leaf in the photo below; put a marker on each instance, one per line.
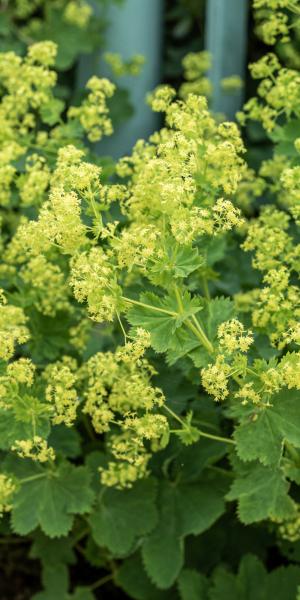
(121, 516)
(261, 492)
(262, 438)
(162, 326)
(192, 585)
(185, 509)
(50, 498)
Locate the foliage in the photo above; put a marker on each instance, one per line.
(79, 30)
(184, 33)
(74, 25)
(149, 379)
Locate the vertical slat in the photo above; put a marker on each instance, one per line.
(135, 27)
(226, 40)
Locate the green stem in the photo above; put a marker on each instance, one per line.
(101, 582)
(175, 416)
(33, 478)
(122, 327)
(208, 344)
(217, 438)
(293, 8)
(199, 333)
(292, 452)
(251, 372)
(80, 535)
(179, 300)
(149, 306)
(221, 471)
(210, 436)
(90, 198)
(205, 288)
(80, 549)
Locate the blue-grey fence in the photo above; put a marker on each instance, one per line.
(136, 26)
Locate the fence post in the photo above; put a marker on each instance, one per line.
(135, 27)
(226, 40)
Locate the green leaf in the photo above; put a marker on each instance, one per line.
(215, 249)
(252, 582)
(251, 576)
(186, 260)
(287, 132)
(283, 583)
(160, 325)
(48, 595)
(71, 40)
(52, 591)
(176, 263)
(51, 111)
(185, 509)
(224, 586)
(284, 136)
(192, 585)
(48, 338)
(94, 461)
(54, 555)
(132, 578)
(120, 107)
(123, 515)
(262, 438)
(216, 312)
(199, 505)
(184, 341)
(188, 435)
(52, 551)
(12, 428)
(93, 554)
(55, 579)
(262, 493)
(162, 551)
(51, 499)
(259, 440)
(291, 470)
(65, 441)
(248, 584)
(193, 460)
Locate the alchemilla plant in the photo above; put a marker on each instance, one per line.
(149, 327)
(76, 26)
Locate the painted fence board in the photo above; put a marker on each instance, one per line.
(226, 40)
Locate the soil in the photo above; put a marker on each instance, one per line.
(18, 574)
